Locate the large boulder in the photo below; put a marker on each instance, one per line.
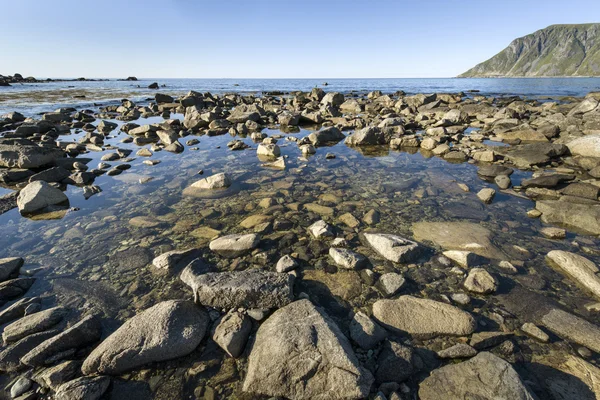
(578, 268)
(248, 289)
(366, 137)
(23, 153)
(326, 135)
(423, 317)
(582, 218)
(393, 247)
(165, 331)
(300, 353)
(573, 328)
(38, 195)
(334, 99)
(33, 323)
(9, 266)
(586, 146)
(484, 377)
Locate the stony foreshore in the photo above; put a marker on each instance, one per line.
(305, 286)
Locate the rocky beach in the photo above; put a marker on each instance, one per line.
(302, 245)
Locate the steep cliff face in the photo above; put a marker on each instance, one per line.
(558, 50)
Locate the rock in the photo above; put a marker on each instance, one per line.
(320, 229)
(395, 363)
(248, 289)
(528, 155)
(365, 332)
(349, 220)
(465, 236)
(460, 350)
(56, 174)
(347, 258)
(232, 332)
(392, 247)
(480, 281)
(286, 264)
(38, 195)
(573, 328)
(17, 309)
(170, 259)
(368, 136)
(268, 150)
(10, 357)
(503, 181)
(465, 259)
(586, 146)
(546, 181)
(20, 386)
(8, 266)
(423, 317)
(300, 353)
(484, 340)
(168, 330)
(484, 376)
(14, 288)
(232, 246)
(326, 135)
(390, 283)
(486, 195)
(279, 163)
(334, 99)
(372, 217)
(153, 85)
(584, 190)
(553, 233)
(55, 376)
(582, 218)
(85, 332)
(84, 388)
(34, 323)
(217, 181)
(492, 171)
(23, 153)
(578, 268)
(461, 298)
(535, 332)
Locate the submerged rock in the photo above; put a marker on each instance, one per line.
(485, 376)
(300, 353)
(347, 258)
(247, 289)
(217, 181)
(583, 218)
(165, 331)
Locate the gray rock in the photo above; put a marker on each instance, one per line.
(366, 137)
(395, 363)
(268, 150)
(492, 171)
(300, 353)
(34, 323)
(460, 350)
(334, 99)
(286, 264)
(14, 288)
(528, 155)
(17, 309)
(232, 246)
(392, 247)
(546, 181)
(22, 385)
(170, 259)
(535, 332)
(486, 195)
(347, 258)
(85, 332)
(23, 153)
(83, 388)
(503, 181)
(586, 146)
(55, 376)
(320, 229)
(465, 259)
(484, 340)
(232, 332)
(39, 195)
(390, 283)
(9, 266)
(423, 317)
(581, 218)
(247, 289)
(10, 357)
(56, 174)
(485, 376)
(578, 268)
(217, 181)
(165, 331)
(365, 332)
(573, 328)
(480, 281)
(326, 135)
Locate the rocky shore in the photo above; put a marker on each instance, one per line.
(18, 79)
(302, 265)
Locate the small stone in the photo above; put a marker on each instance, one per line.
(503, 181)
(20, 386)
(286, 263)
(480, 281)
(460, 350)
(365, 332)
(232, 332)
(534, 213)
(507, 267)
(390, 283)
(553, 233)
(320, 229)
(461, 298)
(535, 332)
(486, 195)
(347, 258)
(483, 340)
(465, 259)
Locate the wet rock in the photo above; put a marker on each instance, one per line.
(56, 174)
(372, 217)
(33, 323)
(347, 258)
(583, 190)
(486, 195)
(300, 353)
(460, 350)
(320, 229)
(248, 289)
(553, 233)
(14, 288)
(480, 281)
(390, 283)
(365, 332)
(232, 246)
(286, 264)
(232, 332)
(39, 195)
(170, 259)
(423, 317)
(8, 266)
(485, 376)
(573, 328)
(525, 156)
(83, 388)
(392, 247)
(217, 181)
(326, 135)
(10, 357)
(165, 331)
(395, 363)
(23, 153)
(85, 332)
(583, 218)
(578, 268)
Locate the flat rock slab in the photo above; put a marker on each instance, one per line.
(300, 353)
(232, 246)
(165, 331)
(485, 376)
(573, 328)
(580, 218)
(581, 270)
(423, 318)
(248, 289)
(22, 153)
(393, 247)
(465, 236)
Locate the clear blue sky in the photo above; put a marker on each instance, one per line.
(267, 38)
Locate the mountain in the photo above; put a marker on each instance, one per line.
(558, 50)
